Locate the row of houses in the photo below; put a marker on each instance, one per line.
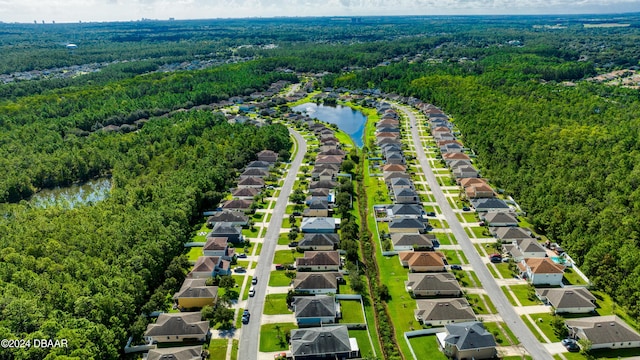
(541, 264)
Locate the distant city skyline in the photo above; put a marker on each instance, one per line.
(64, 11)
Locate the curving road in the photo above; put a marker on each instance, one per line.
(505, 309)
(250, 333)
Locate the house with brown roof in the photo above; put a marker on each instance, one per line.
(233, 218)
(252, 182)
(412, 241)
(319, 261)
(510, 234)
(479, 191)
(391, 135)
(194, 293)
(465, 182)
(541, 271)
(448, 157)
(245, 193)
(208, 266)
(178, 327)
(268, 156)
(338, 152)
(394, 168)
(604, 332)
(499, 219)
(176, 353)
(316, 282)
(218, 246)
(575, 300)
(439, 312)
(422, 261)
(237, 205)
(434, 284)
(329, 159)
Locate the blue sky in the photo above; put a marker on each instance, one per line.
(122, 10)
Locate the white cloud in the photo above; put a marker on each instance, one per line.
(118, 10)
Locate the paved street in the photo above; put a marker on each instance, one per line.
(537, 350)
(250, 333)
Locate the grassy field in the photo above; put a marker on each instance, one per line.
(194, 253)
(523, 293)
(273, 336)
(279, 278)
(363, 343)
(351, 312)
(426, 347)
(275, 304)
(286, 256)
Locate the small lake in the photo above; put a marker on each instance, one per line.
(86, 193)
(348, 120)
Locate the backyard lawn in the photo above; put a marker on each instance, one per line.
(194, 253)
(273, 336)
(572, 278)
(426, 347)
(366, 352)
(351, 312)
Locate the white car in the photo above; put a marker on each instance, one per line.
(252, 291)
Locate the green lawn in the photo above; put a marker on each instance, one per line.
(218, 348)
(478, 305)
(525, 295)
(444, 238)
(426, 347)
(286, 256)
(572, 278)
(501, 338)
(506, 292)
(534, 331)
(245, 264)
(480, 231)
(454, 257)
(273, 336)
(234, 349)
(276, 304)
(201, 234)
(545, 325)
(364, 343)
(503, 269)
(351, 312)
(283, 239)
(194, 253)
(279, 278)
(401, 305)
(257, 217)
(470, 217)
(251, 233)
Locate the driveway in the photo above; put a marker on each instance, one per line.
(505, 309)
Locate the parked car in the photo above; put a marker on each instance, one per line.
(279, 267)
(239, 269)
(293, 244)
(567, 341)
(297, 213)
(572, 346)
(242, 256)
(254, 280)
(245, 319)
(246, 312)
(456, 267)
(252, 291)
(465, 208)
(431, 213)
(495, 259)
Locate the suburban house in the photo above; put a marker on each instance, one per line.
(319, 242)
(329, 159)
(458, 163)
(326, 175)
(237, 205)
(423, 261)
(252, 182)
(318, 225)
(499, 219)
(576, 300)
(254, 172)
(331, 342)
(311, 311)
(406, 225)
(394, 168)
(207, 266)
(382, 141)
(395, 158)
(176, 353)
(260, 165)
(233, 218)
(178, 327)
(489, 205)
(405, 196)
(195, 294)
(448, 157)
(451, 148)
(478, 191)
(439, 284)
(316, 283)
(541, 271)
(319, 261)
(245, 193)
(444, 136)
(399, 183)
(317, 206)
(333, 152)
(268, 156)
(438, 312)
(510, 234)
(409, 241)
(392, 135)
(323, 184)
(465, 171)
(233, 233)
(218, 246)
(468, 340)
(526, 248)
(604, 332)
(320, 192)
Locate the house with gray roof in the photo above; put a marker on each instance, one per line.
(331, 342)
(311, 311)
(412, 241)
(245, 193)
(525, 248)
(395, 158)
(318, 225)
(405, 196)
(400, 183)
(233, 218)
(259, 164)
(489, 205)
(467, 340)
(178, 327)
(254, 182)
(254, 172)
(576, 300)
(465, 171)
(319, 242)
(434, 284)
(316, 283)
(510, 234)
(194, 293)
(499, 219)
(176, 353)
(604, 332)
(323, 184)
(224, 229)
(405, 210)
(406, 225)
(317, 206)
(438, 312)
(319, 261)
